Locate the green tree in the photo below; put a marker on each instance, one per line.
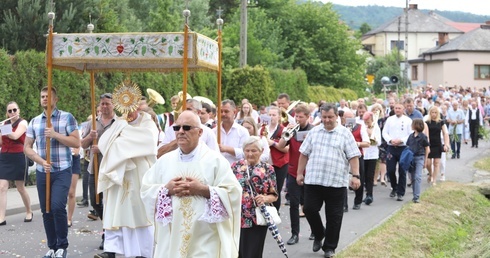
(164, 18)
(265, 42)
(381, 66)
(321, 45)
(365, 28)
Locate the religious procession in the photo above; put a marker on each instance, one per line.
(227, 194)
(212, 179)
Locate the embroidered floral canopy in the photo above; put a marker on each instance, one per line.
(160, 52)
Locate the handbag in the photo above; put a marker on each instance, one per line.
(261, 221)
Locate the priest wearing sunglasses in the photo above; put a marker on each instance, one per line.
(193, 197)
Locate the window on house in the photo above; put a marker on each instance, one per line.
(415, 73)
(400, 45)
(482, 72)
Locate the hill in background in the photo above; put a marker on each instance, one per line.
(375, 15)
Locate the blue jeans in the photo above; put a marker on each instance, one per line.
(416, 172)
(55, 222)
(455, 146)
(392, 158)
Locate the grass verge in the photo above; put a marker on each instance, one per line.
(450, 221)
(483, 164)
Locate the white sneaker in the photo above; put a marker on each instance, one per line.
(60, 253)
(443, 178)
(49, 254)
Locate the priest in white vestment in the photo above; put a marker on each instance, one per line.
(129, 150)
(193, 198)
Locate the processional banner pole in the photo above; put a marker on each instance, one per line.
(219, 22)
(49, 63)
(186, 14)
(95, 160)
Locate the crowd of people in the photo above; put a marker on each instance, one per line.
(180, 192)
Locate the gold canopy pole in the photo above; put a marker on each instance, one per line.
(219, 22)
(186, 14)
(49, 63)
(95, 161)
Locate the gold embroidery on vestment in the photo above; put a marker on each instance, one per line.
(187, 214)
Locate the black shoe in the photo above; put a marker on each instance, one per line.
(83, 203)
(356, 207)
(3, 223)
(105, 255)
(457, 155)
(393, 193)
(293, 240)
(329, 253)
(92, 214)
(49, 254)
(399, 198)
(453, 156)
(312, 237)
(317, 245)
(60, 253)
(346, 208)
(29, 220)
(287, 203)
(101, 246)
(368, 200)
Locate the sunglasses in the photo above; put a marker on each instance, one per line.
(12, 110)
(184, 127)
(106, 95)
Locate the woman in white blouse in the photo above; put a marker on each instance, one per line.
(371, 154)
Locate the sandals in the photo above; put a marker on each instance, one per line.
(430, 179)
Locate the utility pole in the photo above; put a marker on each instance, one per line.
(405, 71)
(398, 42)
(243, 33)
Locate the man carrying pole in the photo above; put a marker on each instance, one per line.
(61, 136)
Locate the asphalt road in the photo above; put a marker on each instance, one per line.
(19, 239)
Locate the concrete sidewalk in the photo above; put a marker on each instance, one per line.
(15, 204)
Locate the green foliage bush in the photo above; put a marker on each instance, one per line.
(330, 94)
(252, 83)
(25, 73)
(292, 82)
(6, 75)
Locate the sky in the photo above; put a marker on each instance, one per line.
(481, 7)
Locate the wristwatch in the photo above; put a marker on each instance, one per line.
(356, 176)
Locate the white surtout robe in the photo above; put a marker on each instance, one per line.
(128, 151)
(186, 234)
